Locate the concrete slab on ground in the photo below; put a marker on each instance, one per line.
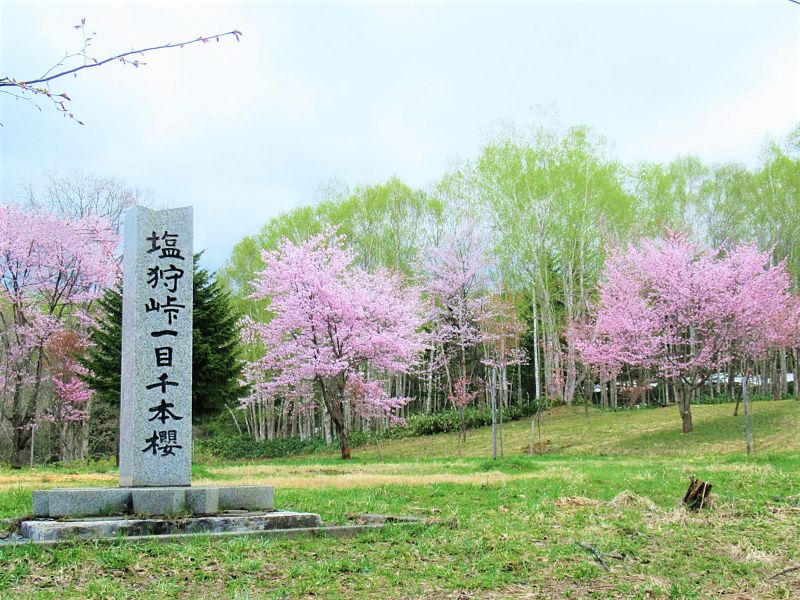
(233, 522)
(333, 531)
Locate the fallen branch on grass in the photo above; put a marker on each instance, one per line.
(378, 519)
(595, 552)
(785, 571)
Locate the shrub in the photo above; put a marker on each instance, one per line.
(241, 447)
(220, 443)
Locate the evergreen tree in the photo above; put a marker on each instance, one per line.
(216, 362)
(103, 361)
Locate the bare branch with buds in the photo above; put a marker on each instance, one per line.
(29, 89)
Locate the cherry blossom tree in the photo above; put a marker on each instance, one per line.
(334, 326)
(460, 398)
(766, 315)
(684, 310)
(70, 409)
(455, 273)
(50, 268)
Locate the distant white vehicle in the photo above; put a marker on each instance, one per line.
(721, 378)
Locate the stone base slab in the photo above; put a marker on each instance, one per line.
(233, 523)
(333, 531)
(197, 500)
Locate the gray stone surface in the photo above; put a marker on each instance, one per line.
(156, 438)
(159, 501)
(247, 497)
(41, 504)
(199, 500)
(202, 500)
(103, 528)
(333, 531)
(81, 502)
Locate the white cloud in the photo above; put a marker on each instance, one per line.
(405, 134)
(765, 102)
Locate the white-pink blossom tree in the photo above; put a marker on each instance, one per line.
(502, 332)
(50, 268)
(455, 273)
(334, 326)
(70, 409)
(682, 311)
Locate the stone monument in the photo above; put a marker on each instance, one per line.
(156, 401)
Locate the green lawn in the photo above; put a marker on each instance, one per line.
(612, 482)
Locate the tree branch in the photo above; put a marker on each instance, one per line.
(10, 82)
(41, 86)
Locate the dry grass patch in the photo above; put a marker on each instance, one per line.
(32, 479)
(312, 470)
(576, 501)
(366, 479)
(747, 468)
(744, 551)
(626, 499)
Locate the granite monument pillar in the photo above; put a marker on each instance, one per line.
(156, 399)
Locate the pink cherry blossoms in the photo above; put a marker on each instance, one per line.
(49, 268)
(455, 276)
(680, 311)
(336, 327)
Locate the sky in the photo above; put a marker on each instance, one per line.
(359, 92)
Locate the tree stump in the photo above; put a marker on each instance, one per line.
(697, 495)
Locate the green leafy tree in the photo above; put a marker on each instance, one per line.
(553, 200)
(216, 360)
(386, 224)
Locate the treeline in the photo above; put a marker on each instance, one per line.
(506, 251)
(509, 248)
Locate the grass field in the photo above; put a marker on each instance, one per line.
(526, 525)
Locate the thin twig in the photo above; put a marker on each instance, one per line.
(41, 86)
(8, 82)
(785, 571)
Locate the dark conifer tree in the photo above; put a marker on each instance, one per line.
(103, 359)
(216, 351)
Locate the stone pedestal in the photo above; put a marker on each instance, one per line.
(167, 501)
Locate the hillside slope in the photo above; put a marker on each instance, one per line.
(646, 432)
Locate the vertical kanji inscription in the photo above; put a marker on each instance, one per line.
(156, 410)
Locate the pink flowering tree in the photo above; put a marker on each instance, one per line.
(765, 314)
(50, 268)
(682, 311)
(334, 327)
(70, 408)
(460, 398)
(455, 281)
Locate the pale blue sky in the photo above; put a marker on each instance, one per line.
(360, 92)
